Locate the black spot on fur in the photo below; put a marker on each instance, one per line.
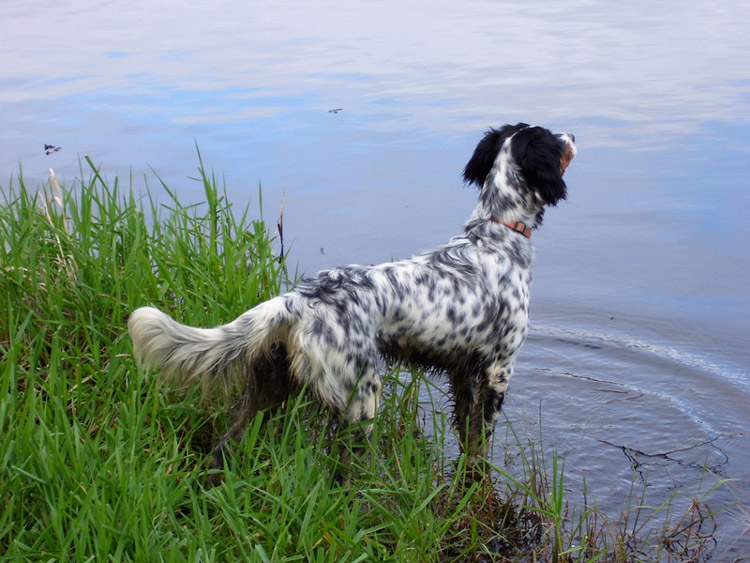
(493, 404)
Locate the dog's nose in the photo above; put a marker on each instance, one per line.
(572, 137)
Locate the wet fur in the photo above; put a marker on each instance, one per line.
(461, 309)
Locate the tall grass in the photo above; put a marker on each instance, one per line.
(98, 462)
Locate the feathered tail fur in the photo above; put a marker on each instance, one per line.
(215, 357)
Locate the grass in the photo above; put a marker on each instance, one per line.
(98, 462)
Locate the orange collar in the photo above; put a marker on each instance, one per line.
(517, 226)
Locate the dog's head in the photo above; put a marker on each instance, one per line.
(524, 159)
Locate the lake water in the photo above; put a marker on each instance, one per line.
(638, 355)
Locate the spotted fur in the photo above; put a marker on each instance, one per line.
(461, 309)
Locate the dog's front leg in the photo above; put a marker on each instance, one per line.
(478, 401)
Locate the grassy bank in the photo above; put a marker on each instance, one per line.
(97, 462)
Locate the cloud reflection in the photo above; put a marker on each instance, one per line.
(438, 66)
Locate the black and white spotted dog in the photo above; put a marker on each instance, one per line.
(461, 309)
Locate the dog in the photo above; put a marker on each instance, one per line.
(461, 310)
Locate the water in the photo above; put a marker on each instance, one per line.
(638, 356)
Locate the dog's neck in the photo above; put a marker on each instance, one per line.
(506, 199)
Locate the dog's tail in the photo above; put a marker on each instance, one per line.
(215, 357)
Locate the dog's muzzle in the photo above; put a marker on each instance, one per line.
(569, 151)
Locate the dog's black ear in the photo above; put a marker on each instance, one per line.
(483, 159)
(539, 154)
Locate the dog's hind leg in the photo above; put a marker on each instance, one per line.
(267, 387)
(359, 416)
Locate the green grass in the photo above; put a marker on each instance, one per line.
(98, 462)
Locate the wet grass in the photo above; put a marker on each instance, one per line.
(98, 462)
